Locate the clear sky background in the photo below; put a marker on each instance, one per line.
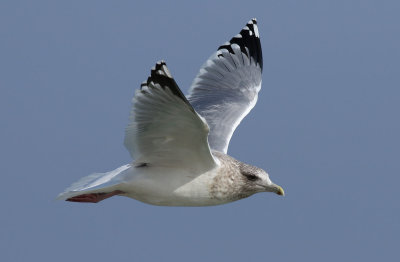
(326, 128)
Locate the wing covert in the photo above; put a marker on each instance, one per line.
(164, 129)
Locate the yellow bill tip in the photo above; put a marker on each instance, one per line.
(280, 191)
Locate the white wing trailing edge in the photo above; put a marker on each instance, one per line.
(164, 129)
(227, 86)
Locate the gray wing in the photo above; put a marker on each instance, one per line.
(164, 129)
(227, 86)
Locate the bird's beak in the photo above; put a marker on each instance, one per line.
(280, 191)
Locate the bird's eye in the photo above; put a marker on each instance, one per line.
(250, 177)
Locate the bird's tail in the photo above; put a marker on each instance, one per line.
(95, 187)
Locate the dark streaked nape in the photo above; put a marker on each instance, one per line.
(249, 42)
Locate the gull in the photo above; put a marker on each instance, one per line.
(179, 144)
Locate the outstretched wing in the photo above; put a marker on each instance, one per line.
(164, 129)
(227, 86)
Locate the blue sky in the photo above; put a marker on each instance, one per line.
(326, 128)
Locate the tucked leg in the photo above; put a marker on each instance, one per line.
(94, 197)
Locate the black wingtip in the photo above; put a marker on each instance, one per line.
(160, 75)
(247, 39)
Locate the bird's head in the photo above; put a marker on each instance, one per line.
(257, 180)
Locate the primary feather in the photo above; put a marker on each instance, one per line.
(227, 86)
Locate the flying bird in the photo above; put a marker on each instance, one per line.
(179, 144)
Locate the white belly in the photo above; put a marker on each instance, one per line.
(170, 187)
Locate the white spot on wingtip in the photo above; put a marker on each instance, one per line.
(256, 31)
(166, 71)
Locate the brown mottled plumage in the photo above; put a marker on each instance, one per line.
(231, 182)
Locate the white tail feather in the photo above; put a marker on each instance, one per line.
(94, 183)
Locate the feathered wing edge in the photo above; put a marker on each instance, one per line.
(164, 129)
(227, 86)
